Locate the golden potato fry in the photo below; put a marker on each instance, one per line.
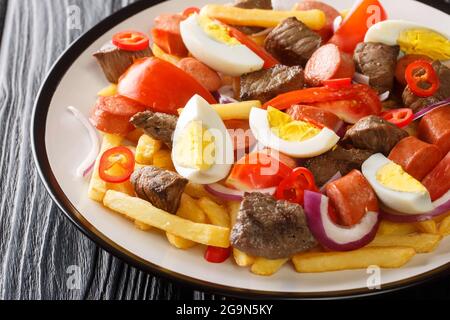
(146, 149)
(420, 242)
(242, 259)
(163, 159)
(315, 262)
(388, 228)
(217, 214)
(159, 53)
(145, 212)
(109, 91)
(444, 226)
(179, 243)
(142, 226)
(234, 111)
(198, 191)
(428, 226)
(266, 267)
(314, 19)
(134, 135)
(98, 187)
(190, 210)
(124, 187)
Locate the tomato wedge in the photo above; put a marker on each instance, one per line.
(160, 86)
(293, 187)
(400, 117)
(116, 165)
(338, 83)
(422, 79)
(216, 254)
(269, 61)
(354, 28)
(131, 40)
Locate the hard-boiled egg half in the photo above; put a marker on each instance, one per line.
(210, 42)
(395, 188)
(202, 147)
(411, 37)
(277, 130)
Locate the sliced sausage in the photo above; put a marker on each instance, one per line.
(328, 62)
(352, 197)
(201, 72)
(315, 115)
(434, 128)
(331, 14)
(438, 180)
(241, 135)
(416, 157)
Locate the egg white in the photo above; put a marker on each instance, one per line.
(319, 144)
(401, 201)
(233, 60)
(198, 109)
(388, 32)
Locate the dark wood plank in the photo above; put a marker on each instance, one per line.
(37, 244)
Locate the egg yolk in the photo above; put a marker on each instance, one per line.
(288, 129)
(195, 149)
(217, 31)
(426, 42)
(394, 177)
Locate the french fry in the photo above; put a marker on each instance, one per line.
(444, 226)
(420, 242)
(134, 135)
(314, 19)
(98, 187)
(146, 213)
(109, 91)
(163, 159)
(242, 259)
(266, 267)
(146, 149)
(142, 226)
(198, 191)
(315, 262)
(233, 209)
(159, 53)
(179, 243)
(234, 111)
(428, 226)
(217, 214)
(394, 228)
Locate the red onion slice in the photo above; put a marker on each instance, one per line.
(332, 236)
(384, 96)
(430, 108)
(225, 95)
(361, 78)
(441, 206)
(88, 163)
(337, 176)
(228, 194)
(337, 23)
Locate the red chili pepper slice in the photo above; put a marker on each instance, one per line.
(116, 165)
(131, 40)
(191, 10)
(422, 79)
(293, 187)
(216, 254)
(400, 117)
(338, 83)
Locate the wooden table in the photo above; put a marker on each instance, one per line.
(38, 245)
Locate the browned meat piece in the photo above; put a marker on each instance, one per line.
(160, 187)
(115, 61)
(252, 4)
(375, 134)
(325, 166)
(159, 126)
(292, 42)
(378, 62)
(264, 85)
(416, 103)
(271, 229)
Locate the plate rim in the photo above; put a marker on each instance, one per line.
(41, 161)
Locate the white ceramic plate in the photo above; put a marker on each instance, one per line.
(60, 143)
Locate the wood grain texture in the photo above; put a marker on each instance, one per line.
(37, 243)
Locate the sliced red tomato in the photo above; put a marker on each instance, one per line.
(160, 86)
(131, 40)
(257, 171)
(166, 34)
(400, 117)
(319, 117)
(191, 10)
(352, 31)
(338, 83)
(348, 103)
(116, 165)
(293, 187)
(269, 60)
(422, 79)
(216, 254)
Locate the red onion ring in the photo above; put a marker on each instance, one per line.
(384, 96)
(361, 78)
(333, 236)
(228, 194)
(88, 163)
(430, 108)
(337, 23)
